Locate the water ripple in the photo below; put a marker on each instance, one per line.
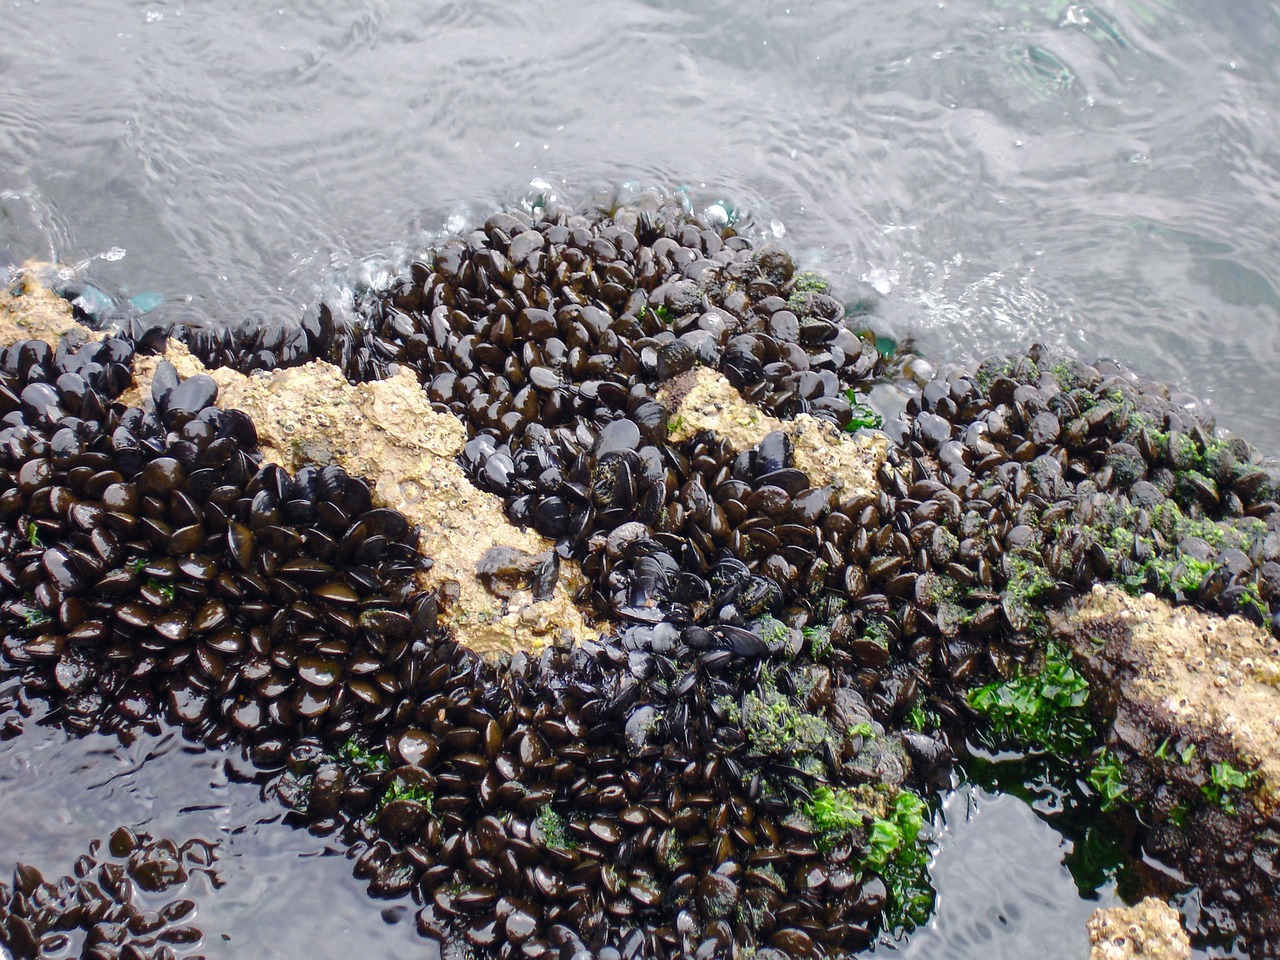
(1098, 175)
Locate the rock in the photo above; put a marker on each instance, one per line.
(30, 311)
(704, 400)
(1212, 680)
(1150, 929)
(1189, 707)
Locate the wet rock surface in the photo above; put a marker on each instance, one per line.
(1191, 709)
(1148, 929)
(29, 310)
(1176, 672)
(800, 614)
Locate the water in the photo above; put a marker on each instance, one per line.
(1004, 893)
(1098, 177)
(282, 893)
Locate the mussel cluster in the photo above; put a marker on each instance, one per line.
(650, 792)
(152, 562)
(1069, 474)
(166, 558)
(116, 905)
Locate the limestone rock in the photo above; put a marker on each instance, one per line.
(1213, 679)
(704, 400)
(30, 311)
(386, 432)
(1150, 929)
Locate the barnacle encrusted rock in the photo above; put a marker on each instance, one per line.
(1214, 680)
(1152, 928)
(29, 310)
(705, 400)
(387, 432)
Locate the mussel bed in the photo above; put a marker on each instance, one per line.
(735, 763)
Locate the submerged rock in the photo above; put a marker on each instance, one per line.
(1149, 929)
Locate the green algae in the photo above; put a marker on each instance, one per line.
(1107, 778)
(920, 719)
(889, 831)
(819, 640)
(555, 829)
(356, 753)
(861, 414)
(401, 789)
(771, 629)
(1028, 586)
(1191, 574)
(1224, 780)
(1046, 709)
(877, 631)
(777, 725)
(810, 282)
(1148, 556)
(672, 850)
(164, 589)
(803, 286)
(35, 617)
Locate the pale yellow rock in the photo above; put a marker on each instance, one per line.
(144, 370)
(30, 311)
(1150, 929)
(704, 400)
(1211, 675)
(386, 432)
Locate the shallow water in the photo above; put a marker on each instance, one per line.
(281, 892)
(1005, 894)
(1099, 177)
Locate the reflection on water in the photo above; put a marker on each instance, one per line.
(1004, 890)
(282, 893)
(1098, 176)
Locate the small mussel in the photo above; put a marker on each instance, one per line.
(108, 903)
